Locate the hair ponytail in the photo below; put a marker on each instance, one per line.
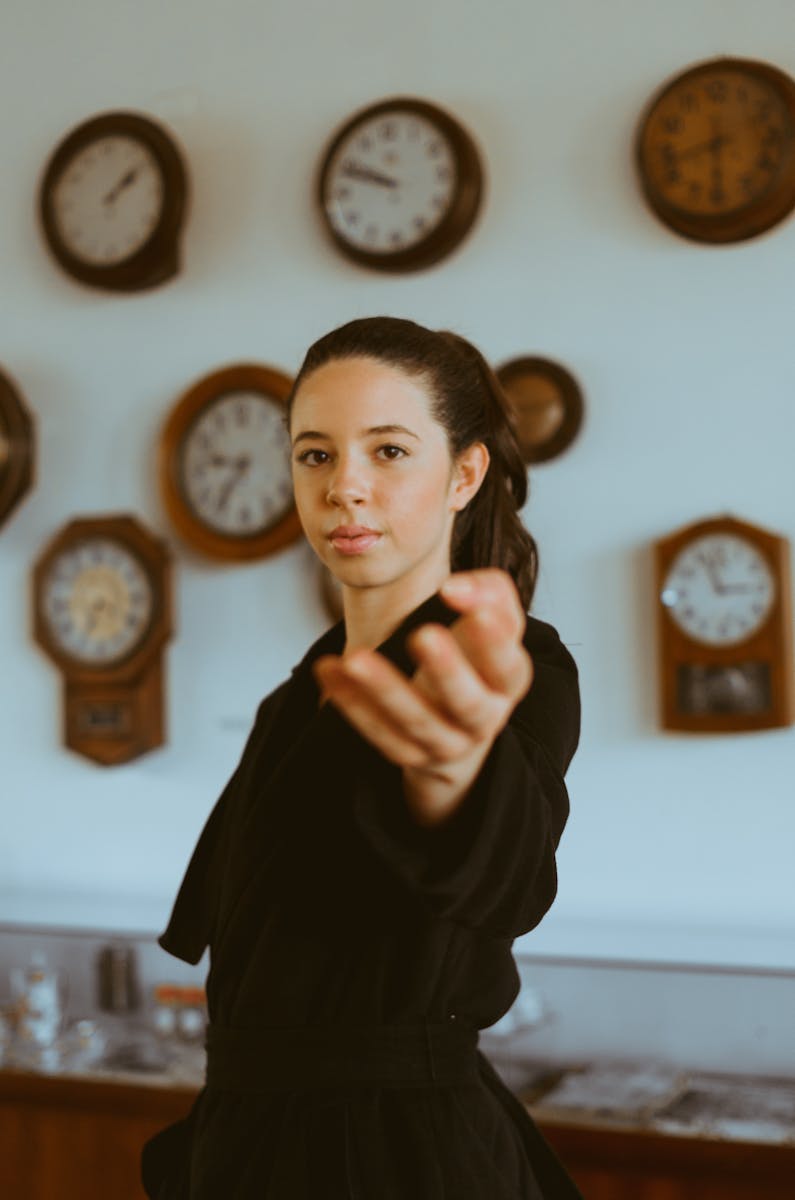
(489, 531)
(469, 403)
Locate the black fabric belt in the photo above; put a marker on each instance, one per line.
(425, 1054)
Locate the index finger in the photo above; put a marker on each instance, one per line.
(489, 588)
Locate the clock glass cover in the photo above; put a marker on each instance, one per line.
(107, 201)
(97, 601)
(390, 182)
(719, 589)
(235, 464)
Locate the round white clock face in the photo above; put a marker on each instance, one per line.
(97, 600)
(235, 465)
(108, 200)
(719, 589)
(390, 182)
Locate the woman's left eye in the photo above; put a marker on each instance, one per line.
(389, 447)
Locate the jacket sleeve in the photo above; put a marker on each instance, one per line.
(190, 926)
(491, 865)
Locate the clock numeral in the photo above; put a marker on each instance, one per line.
(717, 90)
(673, 124)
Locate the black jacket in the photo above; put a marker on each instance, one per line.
(324, 903)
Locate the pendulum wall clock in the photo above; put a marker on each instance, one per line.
(102, 612)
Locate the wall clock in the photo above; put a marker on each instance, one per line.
(225, 470)
(17, 445)
(400, 185)
(715, 150)
(725, 627)
(547, 404)
(112, 202)
(102, 612)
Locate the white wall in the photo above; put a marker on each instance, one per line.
(677, 846)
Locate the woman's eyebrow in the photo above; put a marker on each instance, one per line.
(315, 434)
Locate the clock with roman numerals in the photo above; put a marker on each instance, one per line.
(400, 185)
(225, 469)
(715, 150)
(725, 627)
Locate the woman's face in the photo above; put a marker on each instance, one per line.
(375, 486)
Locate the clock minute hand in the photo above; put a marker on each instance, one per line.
(353, 170)
(124, 182)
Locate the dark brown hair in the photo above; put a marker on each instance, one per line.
(470, 405)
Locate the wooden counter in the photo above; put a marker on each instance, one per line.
(65, 1138)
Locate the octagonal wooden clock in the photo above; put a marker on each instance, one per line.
(725, 628)
(102, 612)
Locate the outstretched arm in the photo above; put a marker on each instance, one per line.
(440, 725)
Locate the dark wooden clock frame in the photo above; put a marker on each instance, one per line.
(158, 260)
(464, 207)
(768, 651)
(113, 713)
(17, 472)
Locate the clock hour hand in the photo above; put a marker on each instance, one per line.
(241, 465)
(124, 182)
(712, 144)
(354, 170)
(712, 573)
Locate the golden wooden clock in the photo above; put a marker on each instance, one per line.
(724, 627)
(17, 445)
(547, 404)
(225, 472)
(715, 150)
(102, 612)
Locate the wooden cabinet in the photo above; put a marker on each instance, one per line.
(628, 1165)
(70, 1139)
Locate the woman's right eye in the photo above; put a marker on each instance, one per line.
(305, 457)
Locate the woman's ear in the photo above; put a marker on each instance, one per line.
(468, 474)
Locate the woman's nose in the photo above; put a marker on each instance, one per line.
(348, 482)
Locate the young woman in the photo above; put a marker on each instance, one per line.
(392, 824)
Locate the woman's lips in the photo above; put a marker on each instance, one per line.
(355, 543)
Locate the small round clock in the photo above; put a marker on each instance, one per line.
(102, 612)
(17, 444)
(715, 150)
(547, 404)
(112, 202)
(225, 464)
(400, 185)
(725, 627)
